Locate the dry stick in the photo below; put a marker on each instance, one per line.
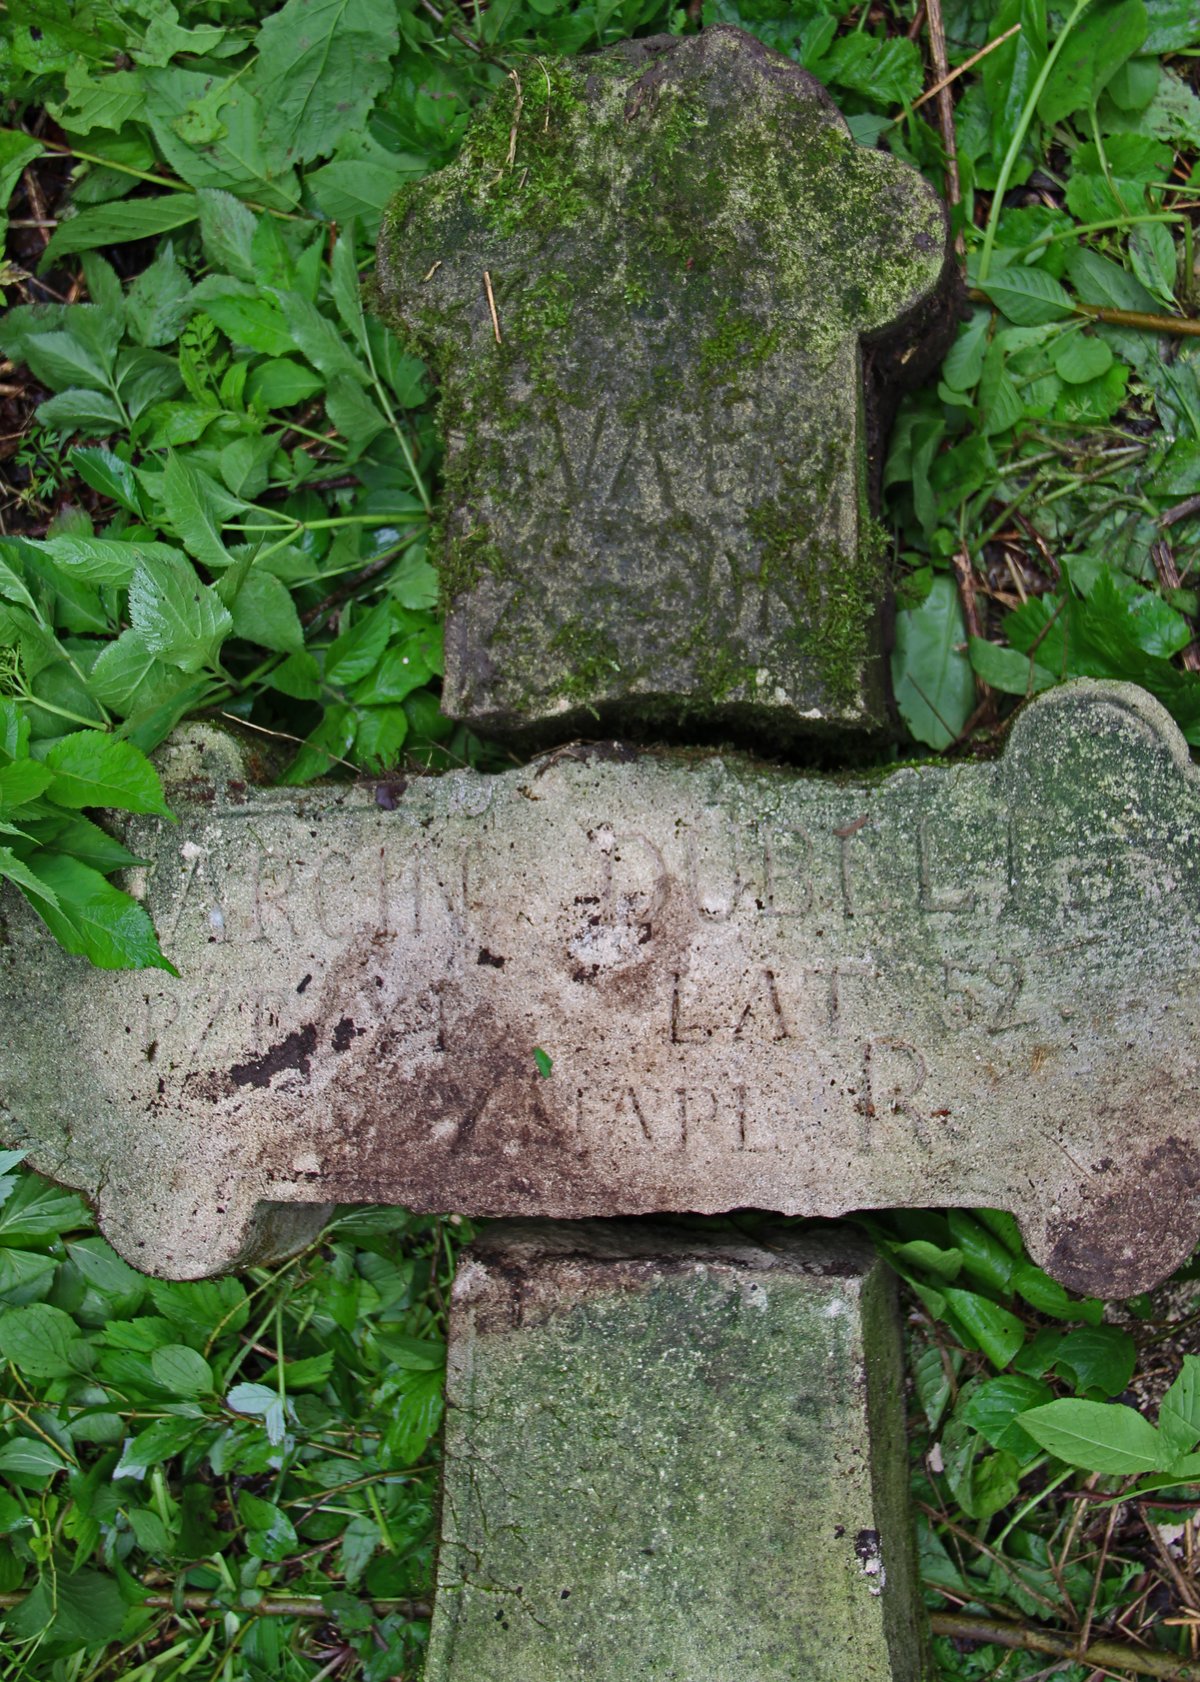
(487, 281)
(1168, 577)
(945, 103)
(1181, 511)
(959, 70)
(1085, 1634)
(1100, 1655)
(270, 1606)
(1176, 324)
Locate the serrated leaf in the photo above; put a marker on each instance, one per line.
(94, 769)
(156, 304)
(90, 412)
(108, 474)
(353, 413)
(1029, 297)
(1098, 1437)
(321, 65)
(317, 339)
(94, 920)
(257, 323)
(113, 224)
(264, 612)
(42, 1342)
(105, 560)
(177, 617)
(227, 233)
(16, 871)
(182, 1371)
(194, 511)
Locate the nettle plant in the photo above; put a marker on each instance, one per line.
(242, 575)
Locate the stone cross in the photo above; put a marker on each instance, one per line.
(647, 287)
(958, 985)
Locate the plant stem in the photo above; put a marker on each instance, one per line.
(1108, 1655)
(1144, 320)
(1018, 139)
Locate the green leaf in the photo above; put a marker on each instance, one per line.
(28, 1461)
(1179, 1411)
(993, 1408)
(281, 383)
(932, 677)
(108, 474)
(270, 1533)
(542, 1062)
(113, 224)
(94, 769)
(90, 412)
(182, 1371)
(43, 1342)
(353, 413)
(1152, 253)
(1109, 32)
(258, 323)
(20, 782)
(1079, 358)
(264, 612)
(1099, 1357)
(16, 151)
(321, 66)
(1007, 670)
(95, 920)
(38, 1210)
(998, 1333)
(176, 616)
(1097, 1437)
(417, 1413)
(194, 506)
(227, 233)
(380, 736)
(157, 303)
(317, 339)
(19, 873)
(105, 560)
(1027, 296)
(964, 359)
(356, 651)
(127, 677)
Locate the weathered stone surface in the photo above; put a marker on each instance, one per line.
(975, 985)
(657, 468)
(675, 1460)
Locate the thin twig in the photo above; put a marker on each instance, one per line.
(487, 282)
(1168, 576)
(1181, 511)
(270, 1606)
(945, 102)
(1026, 1638)
(1142, 319)
(959, 70)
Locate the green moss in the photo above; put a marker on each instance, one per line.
(521, 150)
(738, 343)
(590, 657)
(463, 559)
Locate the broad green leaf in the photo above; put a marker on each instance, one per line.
(29, 1462)
(964, 359)
(258, 323)
(344, 283)
(931, 1258)
(264, 612)
(112, 224)
(158, 1442)
(1109, 32)
(194, 511)
(270, 1533)
(20, 782)
(176, 616)
(21, 875)
(1099, 1357)
(227, 232)
(1007, 670)
(416, 1414)
(1079, 358)
(62, 360)
(353, 413)
(43, 1342)
(108, 474)
(1098, 1437)
(94, 769)
(1179, 1411)
(281, 383)
(983, 1255)
(1027, 296)
(993, 1408)
(106, 560)
(354, 653)
(998, 1333)
(90, 412)
(95, 920)
(1172, 25)
(38, 1210)
(402, 669)
(317, 339)
(934, 688)
(157, 303)
(325, 747)
(184, 105)
(182, 1371)
(380, 736)
(104, 1270)
(1153, 256)
(16, 151)
(127, 677)
(1099, 280)
(360, 190)
(321, 66)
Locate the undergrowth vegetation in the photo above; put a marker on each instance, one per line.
(222, 476)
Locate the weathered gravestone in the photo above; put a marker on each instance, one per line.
(674, 1458)
(647, 286)
(961, 985)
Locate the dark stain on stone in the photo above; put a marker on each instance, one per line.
(1131, 1234)
(345, 1034)
(387, 795)
(486, 957)
(294, 1052)
(303, 984)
